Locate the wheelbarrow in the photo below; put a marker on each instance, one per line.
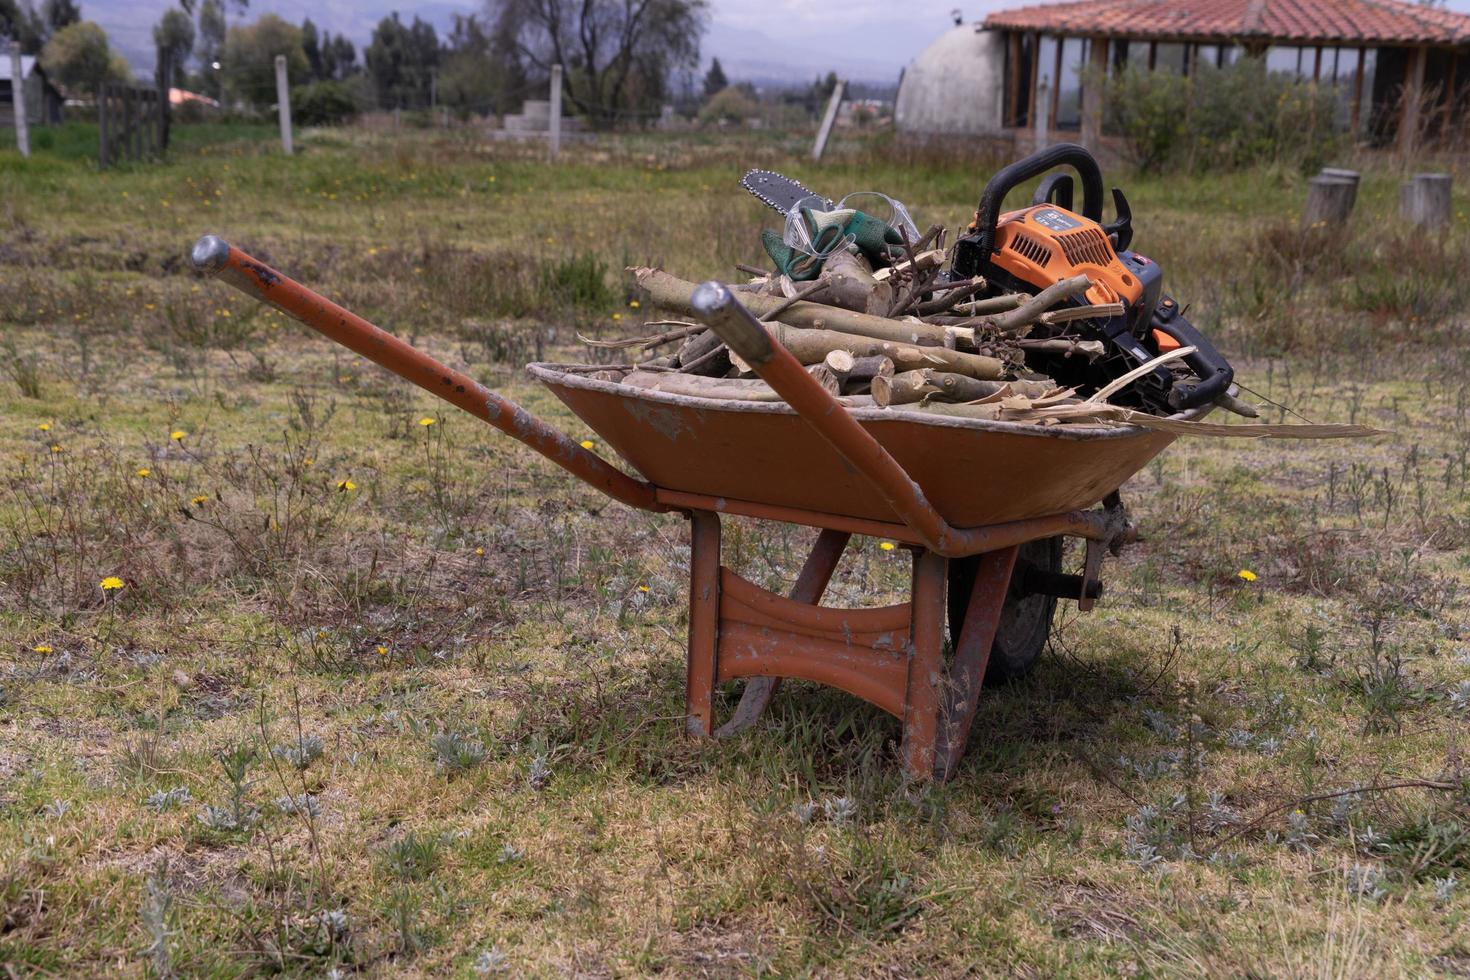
(982, 505)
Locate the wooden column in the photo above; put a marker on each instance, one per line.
(1358, 92)
(1036, 108)
(1413, 95)
(1092, 94)
(1056, 85)
(1013, 79)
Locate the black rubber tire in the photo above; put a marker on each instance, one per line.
(1025, 620)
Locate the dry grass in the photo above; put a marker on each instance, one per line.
(431, 724)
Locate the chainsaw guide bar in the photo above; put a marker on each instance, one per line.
(778, 191)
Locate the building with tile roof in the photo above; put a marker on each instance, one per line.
(43, 102)
(1401, 70)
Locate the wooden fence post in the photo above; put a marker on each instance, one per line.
(283, 103)
(1424, 200)
(18, 101)
(553, 131)
(828, 120)
(1329, 200)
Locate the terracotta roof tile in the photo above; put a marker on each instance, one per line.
(1283, 21)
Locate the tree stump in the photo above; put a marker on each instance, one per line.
(1424, 200)
(1329, 201)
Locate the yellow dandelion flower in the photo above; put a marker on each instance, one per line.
(307, 461)
(346, 485)
(57, 449)
(617, 316)
(642, 588)
(177, 435)
(480, 551)
(887, 545)
(426, 421)
(382, 651)
(144, 472)
(634, 304)
(44, 426)
(199, 500)
(110, 584)
(41, 648)
(1246, 574)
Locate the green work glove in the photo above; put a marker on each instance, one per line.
(797, 266)
(880, 242)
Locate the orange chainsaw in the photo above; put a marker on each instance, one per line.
(1030, 248)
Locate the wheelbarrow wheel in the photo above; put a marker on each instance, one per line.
(1025, 620)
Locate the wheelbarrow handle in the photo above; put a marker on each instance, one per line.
(718, 308)
(215, 257)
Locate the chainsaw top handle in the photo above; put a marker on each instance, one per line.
(1038, 163)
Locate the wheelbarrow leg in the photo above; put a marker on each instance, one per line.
(809, 587)
(704, 621)
(926, 665)
(971, 655)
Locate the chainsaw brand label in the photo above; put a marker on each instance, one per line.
(1054, 220)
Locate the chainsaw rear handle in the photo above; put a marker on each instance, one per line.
(213, 256)
(1208, 364)
(987, 215)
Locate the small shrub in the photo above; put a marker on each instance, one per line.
(327, 103)
(455, 752)
(413, 856)
(1220, 118)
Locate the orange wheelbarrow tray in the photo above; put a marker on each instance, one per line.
(982, 504)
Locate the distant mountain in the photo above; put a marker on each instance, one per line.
(749, 55)
(763, 57)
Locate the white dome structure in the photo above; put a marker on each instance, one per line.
(955, 86)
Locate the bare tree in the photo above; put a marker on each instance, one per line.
(617, 54)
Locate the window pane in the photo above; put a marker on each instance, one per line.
(1171, 56)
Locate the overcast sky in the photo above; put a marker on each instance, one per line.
(870, 40)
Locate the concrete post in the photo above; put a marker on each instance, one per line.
(1039, 116)
(283, 103)
(18, 99)
(553, 125)
(1092, 94)
(828, 120)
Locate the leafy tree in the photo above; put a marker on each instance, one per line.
(478, 68)
(174, 37)
(731, 104)
(210, 45)
(250, 58)
(324, 103)
(20, 22)
(58, 14)
(78, 57)
(714, 79)
(311, 46)
(400, 61)
(618, 54)
(339, 56)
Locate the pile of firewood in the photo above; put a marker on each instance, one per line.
(895, 337)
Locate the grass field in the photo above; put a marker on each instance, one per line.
(396, 698)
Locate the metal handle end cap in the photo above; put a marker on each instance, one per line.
(209, 254)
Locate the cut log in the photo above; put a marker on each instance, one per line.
(1424, 201)
(674, 293)
(849, 368)
(813, 346)
(730, 389)
(1329, 201)
(850, 284)
(913, 386)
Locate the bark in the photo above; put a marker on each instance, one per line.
(674, 293)
(850, 284)
(813, 346)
